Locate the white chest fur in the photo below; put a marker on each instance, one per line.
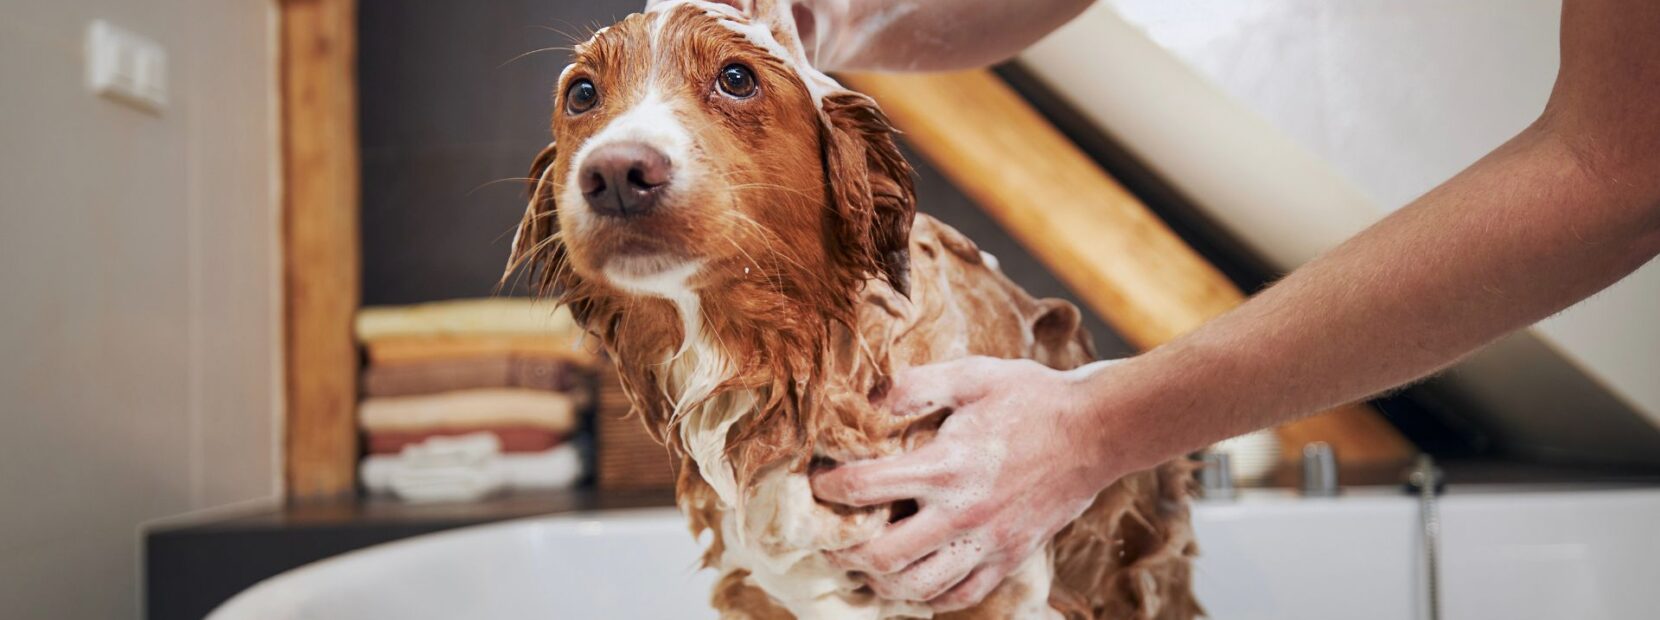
(776, 531)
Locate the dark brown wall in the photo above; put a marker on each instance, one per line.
(452, 106)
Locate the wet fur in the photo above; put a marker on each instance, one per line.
(828, 292)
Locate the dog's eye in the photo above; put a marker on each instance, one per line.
(737, 81)
(581, 96)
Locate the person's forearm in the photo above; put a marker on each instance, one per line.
(926, 35)
(1518, 236)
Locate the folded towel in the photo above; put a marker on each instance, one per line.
(416, 479)
(488, 407)
(472, 449)
(497, 371)
(500, 315)
(447, 485)
(393, 350)
(513, 438)
(440, 469)
(558, 468)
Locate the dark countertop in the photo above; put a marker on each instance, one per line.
(192, 565)
(386, 511)
(1490, 471)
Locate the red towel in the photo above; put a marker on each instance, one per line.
(513, 438)
(494, 371)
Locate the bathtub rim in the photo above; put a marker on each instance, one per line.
(284, 591)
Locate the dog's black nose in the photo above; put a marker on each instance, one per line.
(624, 179)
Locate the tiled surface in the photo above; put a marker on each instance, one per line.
(454, 102)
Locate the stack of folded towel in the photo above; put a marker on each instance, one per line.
(465, 398)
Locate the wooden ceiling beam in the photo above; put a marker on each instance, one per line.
(1097, 237)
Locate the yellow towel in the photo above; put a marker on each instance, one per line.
(394, 350)
(495, 316)
(470, 408)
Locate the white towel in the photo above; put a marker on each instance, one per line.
(457, 470)
(1252, 455)
(439, 469)
(556, 468)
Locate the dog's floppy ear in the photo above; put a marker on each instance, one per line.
(1056, 322)
(1058, 334)
(532, 243)
(873, 195)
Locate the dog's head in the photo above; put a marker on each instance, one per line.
(695, 149)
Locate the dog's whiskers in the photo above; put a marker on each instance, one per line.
(556, 48)
(499, 182)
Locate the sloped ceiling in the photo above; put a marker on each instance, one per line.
(1296, 123)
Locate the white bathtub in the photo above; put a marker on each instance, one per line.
(1515, 555)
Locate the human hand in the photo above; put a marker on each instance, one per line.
(927, 35)
(1015, 461)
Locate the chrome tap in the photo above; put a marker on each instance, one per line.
(1425, 480)
(1216, 477)
(1319, 470)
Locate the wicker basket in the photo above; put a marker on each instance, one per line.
(626, 456)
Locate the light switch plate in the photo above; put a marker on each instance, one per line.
(126, 67)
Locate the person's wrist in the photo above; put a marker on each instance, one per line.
(1111, 401)
(1086, 419)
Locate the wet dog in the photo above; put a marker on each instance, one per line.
(739, 232)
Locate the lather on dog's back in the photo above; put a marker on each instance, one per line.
(739, 232)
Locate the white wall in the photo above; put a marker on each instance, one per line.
(1399, 95)
(1367, 104)
(138, 295)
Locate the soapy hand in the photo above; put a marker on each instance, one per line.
(1013, 463)
(913, 35)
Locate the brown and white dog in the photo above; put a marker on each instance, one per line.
(739, 233)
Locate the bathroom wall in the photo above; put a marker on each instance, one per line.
(1400, 95)
(139, 312)
(455, 100)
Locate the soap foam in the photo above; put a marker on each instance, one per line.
(780, 542)
(758, 30)
(775, 529)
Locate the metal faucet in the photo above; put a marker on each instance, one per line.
(1319, 470)
(1426, 481)
(1216, 477)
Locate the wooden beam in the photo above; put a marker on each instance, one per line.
(1108, 247)
(320, 245)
